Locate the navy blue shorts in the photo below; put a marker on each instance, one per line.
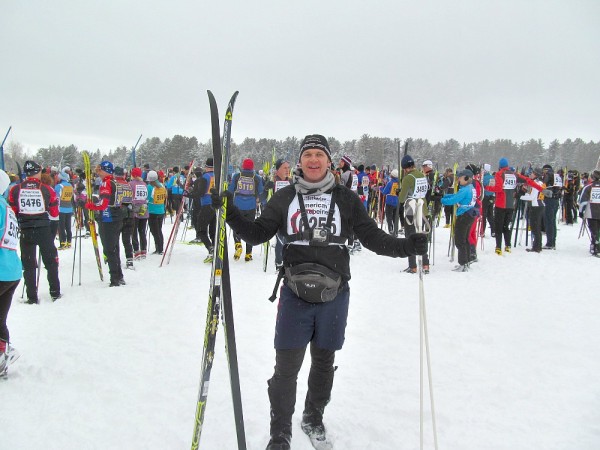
(300, 322)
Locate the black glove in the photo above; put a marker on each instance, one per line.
(581, 214)
(416, 244)
(217, 200)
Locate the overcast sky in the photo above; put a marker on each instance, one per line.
(98, 74)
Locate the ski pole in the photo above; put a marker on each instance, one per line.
(581, 229)
(527, 228)
(515, 224)
(74, 255)
(80, 237)
(432, 246)
(519, 232)
(185, 227)
(423, 333)
(39, 268)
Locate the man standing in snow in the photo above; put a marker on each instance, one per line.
(349, 179)
(35, 203)
(64, 192)
(110, 221)
(390, 191)
(125, 193)
(317, 217)
(554, 183)
(363, 185)
(503, 185)
(414, 187)
(487, 208)
(248, 187)
(281, 179)
(205, 218)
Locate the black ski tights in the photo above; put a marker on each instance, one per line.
(282, 388)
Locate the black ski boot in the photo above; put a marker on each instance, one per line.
(281, 442)
(320, 383)
(282, 395)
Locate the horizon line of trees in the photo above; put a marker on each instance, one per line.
(368, 150)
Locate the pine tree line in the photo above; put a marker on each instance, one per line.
(368, 150)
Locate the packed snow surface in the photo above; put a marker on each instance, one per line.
(515, 352)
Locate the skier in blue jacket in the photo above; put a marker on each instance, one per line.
(247, 187)
(466, 212)
(390, 190)
(64, 192)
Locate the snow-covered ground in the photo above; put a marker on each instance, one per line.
(515, 349)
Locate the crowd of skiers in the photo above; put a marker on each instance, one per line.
(507, 200)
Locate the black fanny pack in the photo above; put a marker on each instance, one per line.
(312, 282)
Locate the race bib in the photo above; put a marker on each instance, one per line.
(595, 195)
(10, 239)
(141, 192)
(66, 195)
(159, 196)
(421, 188)
(245, 185)
(473, 198)
(281, 184)
(354, 186)
(365, 185)
(558, 182)
(510, 181)
(31, 201)
(317, 210)
(124, 194)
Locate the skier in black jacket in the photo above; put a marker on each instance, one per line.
(317, 217)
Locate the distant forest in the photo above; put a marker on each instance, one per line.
(368, 150)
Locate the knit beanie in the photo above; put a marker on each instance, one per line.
(407, 161)
(279, 163)
(107, 167)
(315, 141)
(31, 168)
(248, 164)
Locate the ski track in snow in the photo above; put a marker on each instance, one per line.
(514, 346)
